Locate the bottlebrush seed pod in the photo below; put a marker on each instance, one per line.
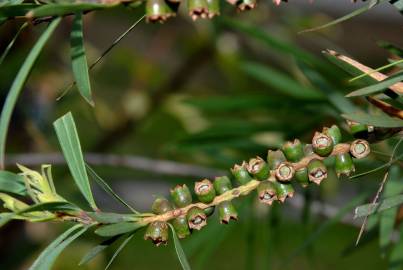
(317, 171)
(334, 133)
(246, 5)
(258, 168)
(197, 9)
(181, 196)
(284, 191)
(227, 211)
(158, 11)
(222, 184)
(344, 164)
(302, 178)
(360, 149)
(284, 172)
(274, 158)
(322, 144)
(157, 232)
(293, 151)
(266, 192)
(161, 205)
(181, 226)
(209, 210)
(213, 8)
(357, 128)
(205, 191)
(196, 217)
(241, 173)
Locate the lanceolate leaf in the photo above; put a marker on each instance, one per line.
(47, 258)
(179, 250)
(68, 138)
(13, 183)
(378, 87)
(356, 12)
(98, 249)
(19, 83)
(118, 228)
(79, 59)
(378, 120)
(65, 8)
(369, 209)
(101, 182)
(122, 245)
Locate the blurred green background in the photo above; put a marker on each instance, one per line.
(209, 94)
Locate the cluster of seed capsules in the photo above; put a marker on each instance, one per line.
(295, 162)
(161, 10)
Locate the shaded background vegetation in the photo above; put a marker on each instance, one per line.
(209, 93)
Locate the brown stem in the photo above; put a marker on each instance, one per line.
(241, 190)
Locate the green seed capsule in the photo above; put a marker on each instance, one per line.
(302, 178)
(157, 232)
(322, 144)
(246, 5)
(158, 11)
(198, 9)
(293, 151)
(360, 149)
(161, 205)
(222, 184)
(317, 171)
(241, 173)
(258, 168)
(196, 218)
(284, 172)
(356, 129)
(283, 191)
(227, 211)
(181, 196)
(181, 226)
(266, 192)
(205, 191)
(213, 7)
(344, 164)
(334, 133)
(209, 210)
(274, 158)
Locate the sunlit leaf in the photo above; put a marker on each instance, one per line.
(18, 85)
(376, 120)
(68, 138)
(79, 59)
(13, 183)
(47, 258)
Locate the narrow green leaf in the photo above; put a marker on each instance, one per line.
(122, 245)
(378, 87)
(18, 84)
(369, 209)
(110, 218)
(13, 183)
(11, 44)
(68, 138)
(118, 228)
(179, 250)
(280, 81)
(378, 120)
(50, 254)
(11, 11)
(5, 218)
(65, 8)
(79, 59)
(49, 206)
(393, 187)
(102, 183)
(98, 249)
(346, 17)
